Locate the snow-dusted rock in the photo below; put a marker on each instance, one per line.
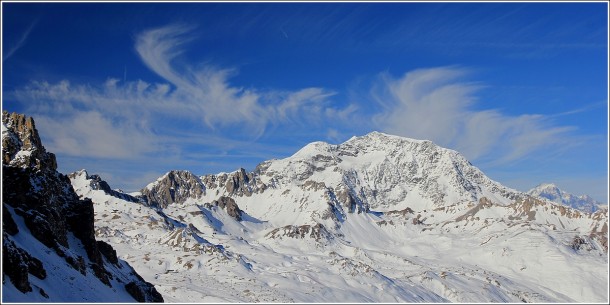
(377, 218)
(49, 248)
(21, 145)
(551, 192)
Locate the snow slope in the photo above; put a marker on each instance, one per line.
(49, 249)
(378, 218)
(62, 282)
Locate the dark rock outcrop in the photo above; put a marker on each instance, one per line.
(143, 292)
(239, 183)
(403, 212)
(42, 208)
(350, 201)
(22, 147)
(601, 235)
(49, 208)
(17, 264)
(179, 186)
(229, 205)
(8, 224)
(108, 252)
(174, 187)
(317, 232)
(81, 221)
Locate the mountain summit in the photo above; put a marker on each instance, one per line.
(551, 192)
(376, 218)
(375, 172)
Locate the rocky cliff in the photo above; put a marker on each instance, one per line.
(49, 248)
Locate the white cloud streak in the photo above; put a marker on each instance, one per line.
(91, 134)
(138, 120)
(20, 43)
(137, 114)
(433, 104)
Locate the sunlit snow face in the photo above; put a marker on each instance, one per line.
(283, 247)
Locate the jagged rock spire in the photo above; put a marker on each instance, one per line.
(21, 145)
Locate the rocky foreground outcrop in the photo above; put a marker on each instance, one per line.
(42, 219)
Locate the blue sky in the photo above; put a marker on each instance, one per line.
(130, 91)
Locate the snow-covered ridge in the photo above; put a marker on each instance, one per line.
(553, 193)
(378, 218)
(384, 172)
(323, 181)
(481, 251)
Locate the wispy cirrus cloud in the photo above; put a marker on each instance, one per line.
(435, 104)
(135, 117)
(206, 91)
(196, 116)
(19, 43)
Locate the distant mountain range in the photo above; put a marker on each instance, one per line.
(551, 192)
(378, 218)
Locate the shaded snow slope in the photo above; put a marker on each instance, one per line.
(49, 249)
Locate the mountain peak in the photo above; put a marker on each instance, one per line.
(402, 202)
(547, 186)
(313, 149)
(380, 136)
(552, 192)
(21, 144)
(384, 172)
(373, 141)
(50, 232)
(174, 186)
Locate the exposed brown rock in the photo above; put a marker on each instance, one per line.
(484, 202)
(229, 205)
(22, 147)
(174, 187)
(50, 209)
(317, 232)
(241, 183)
(601, 236)
(349, 200)
(403, 212)
(313, 185)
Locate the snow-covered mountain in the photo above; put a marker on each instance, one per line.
(377, 172)
(49, 249)
(378, 218)
(551, 192)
